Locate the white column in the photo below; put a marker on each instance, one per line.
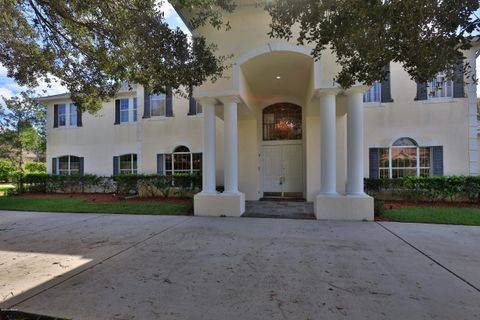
(230, 145)
(328, 142)
(209, 147)
(355, 139)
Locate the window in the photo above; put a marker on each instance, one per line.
(182, 161)
(135, 110)
(158, 105)
(282, 121)
(373, 94)
(405, 158)
(73, 115)
(440, 87)
(199, 107)
(62, 115)
(128, 164)
(68, 165)
(123, 110)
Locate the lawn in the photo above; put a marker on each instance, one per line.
(84, 206)
(459, 216)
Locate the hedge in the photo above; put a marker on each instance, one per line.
(445, 188)
(143, 185)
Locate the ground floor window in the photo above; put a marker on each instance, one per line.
(128, 164)
(68, 165)
(404, 158)
(181, 161)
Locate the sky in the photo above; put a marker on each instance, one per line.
(9, 88)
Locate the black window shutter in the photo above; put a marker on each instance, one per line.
(192, 104)
(81, 166)
(421, 91)
(374, 158)
(79, 117)
(146, 104)
(54, 165)
(55, 115)
(458, 81)
(437, 161)
(386, 90)
(116, 166)
(160, 164)
(169, 110)
(117, 111)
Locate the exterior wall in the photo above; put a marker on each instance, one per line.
(99, 140)
(442, 122)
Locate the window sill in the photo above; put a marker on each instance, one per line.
(198, 115)
(373, 104)
(159, 118)
(67, 127)
(438, 100)
(123, 124)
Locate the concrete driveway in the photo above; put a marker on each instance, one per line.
(84, 266)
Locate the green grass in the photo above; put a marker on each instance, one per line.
(459, 216)
(83, 206)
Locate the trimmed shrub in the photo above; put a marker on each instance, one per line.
(6, 169)
(35, 167)
(446, 188)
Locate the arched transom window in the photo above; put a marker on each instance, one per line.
(282, 121)
(405, 158)
(182, 160)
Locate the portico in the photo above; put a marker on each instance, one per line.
(302, 159)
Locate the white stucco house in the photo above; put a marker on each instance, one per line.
(275, 125)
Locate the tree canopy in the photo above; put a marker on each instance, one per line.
(94, 45)
(426, 36)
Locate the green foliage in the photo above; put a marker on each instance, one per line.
(451, 188)
(93, 46)
(82, 205)
(426, 36)
(457, 216)
(35, 167)
(22, 128)
(148, 185)
(6, 169)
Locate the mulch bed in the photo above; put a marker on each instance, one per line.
(389, 205)
(106, 197)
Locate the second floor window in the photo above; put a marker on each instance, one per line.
(440, 87)
(73, 115)
(62, 115)
(124, 110)
(158, 105)
(135, 109)
(199, 108)
(373, 94)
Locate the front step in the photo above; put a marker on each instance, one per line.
(279, 209)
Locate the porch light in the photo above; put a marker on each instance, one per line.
(278, 77)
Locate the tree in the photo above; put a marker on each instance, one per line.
(426, 36)
(94, 45)
(22, 128)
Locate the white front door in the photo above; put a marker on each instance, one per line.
(283, 170)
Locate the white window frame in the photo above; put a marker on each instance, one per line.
(198, 108)
(62, 114)
(132, 169)
(72, 115)
(191, 170)
(374, 94)
(158, 97)
(418, 168)
(135, 109)
(124, 111)
(440, 87)
(69, 171)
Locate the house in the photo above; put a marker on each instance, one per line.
(275, 125)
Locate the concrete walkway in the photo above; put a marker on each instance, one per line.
(84, 266)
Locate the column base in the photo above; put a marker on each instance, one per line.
(216, 205)
(344, 207)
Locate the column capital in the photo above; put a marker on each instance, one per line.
(357, 89)
(228, 99)
(327, 91)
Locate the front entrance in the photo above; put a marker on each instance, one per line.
(283, 170)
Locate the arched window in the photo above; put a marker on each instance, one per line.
(68, 165)
(282, 121)
(181, 161)
(404, 158)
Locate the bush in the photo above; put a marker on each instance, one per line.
(450, 188)
(35, 167)
(144, 185)
(6, 169)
